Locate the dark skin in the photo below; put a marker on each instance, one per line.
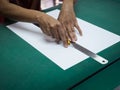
(61, 29)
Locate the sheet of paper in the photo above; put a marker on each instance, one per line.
(94, 38)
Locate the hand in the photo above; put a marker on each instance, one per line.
(51, 27)
(68, 20)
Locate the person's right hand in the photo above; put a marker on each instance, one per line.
(52, 27)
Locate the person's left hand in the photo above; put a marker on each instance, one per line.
(68, 20)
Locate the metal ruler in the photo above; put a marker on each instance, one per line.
(90, 53)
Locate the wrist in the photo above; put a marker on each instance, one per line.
(38, 17)
(67, 5)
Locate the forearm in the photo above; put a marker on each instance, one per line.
(67, 4)
(18, 13)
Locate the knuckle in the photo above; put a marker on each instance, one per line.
(54, 25)
(58, 25)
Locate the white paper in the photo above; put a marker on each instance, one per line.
(94, 38)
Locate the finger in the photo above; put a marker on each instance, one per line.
(56, 34)
(62, 32)
(57, 37)
(48, 31)
(52, 32)
(74, 34)
(78, 28)
(74, 37)
(71, 33)
(43, 30)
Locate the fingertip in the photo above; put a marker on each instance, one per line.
(81, 34)
(79, 29)
(65, 45)
(76, 39)
(57, 41)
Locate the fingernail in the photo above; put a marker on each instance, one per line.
(75, 38)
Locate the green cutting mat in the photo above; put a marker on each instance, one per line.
(24, 68)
